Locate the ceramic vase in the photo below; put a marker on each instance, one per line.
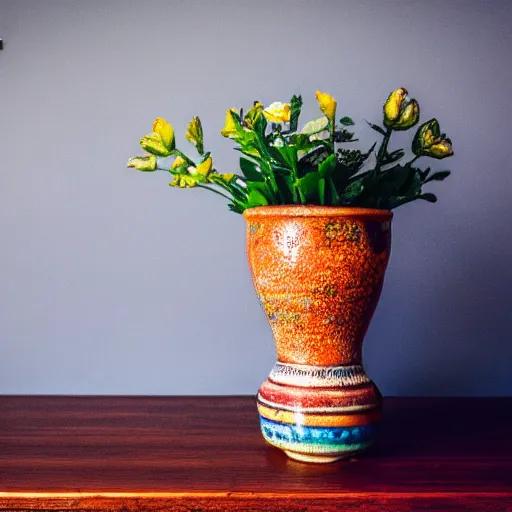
(318, 273)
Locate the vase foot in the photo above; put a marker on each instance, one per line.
(316, 459)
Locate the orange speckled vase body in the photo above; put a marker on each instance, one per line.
(318, 272)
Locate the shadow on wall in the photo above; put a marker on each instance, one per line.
(440, 327)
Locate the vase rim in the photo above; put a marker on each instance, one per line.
(316, 211)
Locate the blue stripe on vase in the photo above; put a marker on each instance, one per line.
(317, 435)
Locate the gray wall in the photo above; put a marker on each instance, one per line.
(112, 282)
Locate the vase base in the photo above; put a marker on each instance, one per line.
(315, 458)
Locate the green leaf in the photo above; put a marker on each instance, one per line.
(412, 185)
(439, 176)
(344, 136)
(250, 170)
(301, 140)
(308, 184)
(327, 166)
(341, 177)
(296, 105)
(355, 189)
(263, 187)
(431, 198)
(256, 198)
(260, 126)
(395, 202)
(313, 159)
(347, 121)
(278, 156)
(321, 191)
(377, 128)
(393, 157)
(237, 207)
(286, 188)
(394, 182)
(288, 155)
(386, 189)
(353, 158)
(335, 198)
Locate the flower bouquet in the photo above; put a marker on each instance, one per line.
(281, 164)
(318, 243)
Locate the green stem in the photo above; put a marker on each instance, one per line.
(333, 134)
(295, 193)
(185, 157)
(206, 187)
(232, 189)
(266, 167)
(413, 160)
(294, 174)
(270, 179)
(383, 149)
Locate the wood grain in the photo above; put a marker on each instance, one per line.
(206, 453)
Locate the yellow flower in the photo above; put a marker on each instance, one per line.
(429, 141)
(409, 116)
(178, 162)
(142, 163)
(253, 114)
(316, 126)
(229, 129)
(166, 132)
(327, 105)
(393, 104)
(195, 134)
(401, 113)
(153, 144)
(183, 181)
(278, 112)
(161, 141)
(205, 167)
(224, 178)
(441, 149)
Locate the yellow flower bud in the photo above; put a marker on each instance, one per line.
(229, 129)
(400, 113)
(142, 163)
(179, 161)
(204, 168)
(183, 181)
(153, 144)
(409, 116)
(327, 105)
(393, 104)
(278, 112)
(429, 141)
(252, 114)
(440, 150)
(195, 134)
(166, 132)
(224, 178)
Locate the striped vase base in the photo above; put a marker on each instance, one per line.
(330, 416)
(318, 459)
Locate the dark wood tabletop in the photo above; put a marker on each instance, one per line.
(206, 453)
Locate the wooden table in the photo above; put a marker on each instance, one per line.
(206, 454)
